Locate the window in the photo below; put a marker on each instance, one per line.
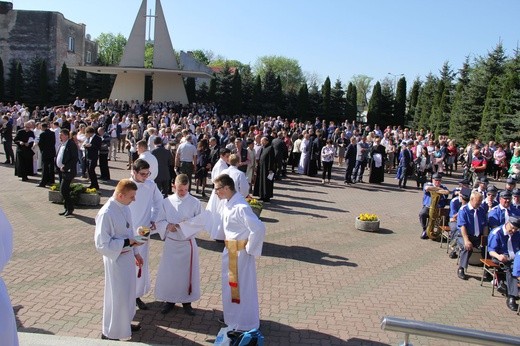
(71, 44)
(89, 57)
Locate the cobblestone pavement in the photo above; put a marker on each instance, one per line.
(321, 281)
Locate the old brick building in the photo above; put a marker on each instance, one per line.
(26, 35)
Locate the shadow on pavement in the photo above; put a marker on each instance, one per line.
(20, 326)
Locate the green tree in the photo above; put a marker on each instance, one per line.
(387, 103)
(43, 83)
(236, 93)
(326, 94)
(425, 102)
(148, 55)
(80, 83)
(190, 89)
(337, 103)
(351, 102)
(15, 81)
(362, 83)
(203, 56)
(110, 48)
(400, 102)
(270, 94)
(457, 124)
(257, 95)
(491, 113)
(303, 103)
(212, 92)
(288, 69)
(64, 94)
(374, 105)
(413, 98)
(507, 129)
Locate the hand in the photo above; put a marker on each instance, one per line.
(134, 242)
(503, 258)
(139, 260)
(172, 227)
(468, 245)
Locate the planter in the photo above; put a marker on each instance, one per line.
(367, 226)
(84, 198)
(257, 211)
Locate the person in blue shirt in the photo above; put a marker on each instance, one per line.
(515, 203)
(456, 203)
(503, 244)
(499, 214)
(472, 223)
(490, 200)
(437, 186)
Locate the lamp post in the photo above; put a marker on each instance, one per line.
(395, 79)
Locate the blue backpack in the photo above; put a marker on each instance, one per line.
(251, 338)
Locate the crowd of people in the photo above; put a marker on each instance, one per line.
(169, 147)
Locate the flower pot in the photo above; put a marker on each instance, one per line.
(84, 198)
(367, 226)
(257, 211)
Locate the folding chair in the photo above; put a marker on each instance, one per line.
(490, 267)
(443, 227)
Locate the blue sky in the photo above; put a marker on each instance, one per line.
(335, 38)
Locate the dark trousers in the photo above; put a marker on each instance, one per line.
(9, 153)
(424, 214)
(91, 169)
(188, 169)
(163, 186)
(511, 281)
(465, 254)
(104, 171)
(295, 162)
(47, 171)
(327, 170)
(350, 169)
(66, 180)
(359, 169)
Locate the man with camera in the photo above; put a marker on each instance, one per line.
(503, 244)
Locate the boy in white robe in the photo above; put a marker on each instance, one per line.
(244, 234)
(114, 239)
(8, 333)
(239, 177)
(144, 211)
(178, 277)
(214, 205)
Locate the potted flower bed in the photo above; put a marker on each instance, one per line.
(255, 205)
(367, 222)
(78, 192)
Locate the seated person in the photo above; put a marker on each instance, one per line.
(515, 203)
(490, 199)
(500, 213)
(456, 203)
(464, 183)
(472, 223)
(482, 185)
(437, 186)
(510, 186)
(503, 244)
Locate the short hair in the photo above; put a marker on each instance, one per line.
(224, 151)
(157, 140)
(140, 164)
(142, 144)
(182, 179)
(90, 129)
(225, 180)
(66, 132)
(45, 125)
(125, 185)
(233, 159)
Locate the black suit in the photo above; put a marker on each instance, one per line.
(92, 155)
(165, 164)
(7, 138)
(48, 150)
(68, 172)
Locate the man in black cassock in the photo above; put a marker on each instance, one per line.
(266, 166)
(377, 162)
(24, 141)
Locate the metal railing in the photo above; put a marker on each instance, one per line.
(441, 331)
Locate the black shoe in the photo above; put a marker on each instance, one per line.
(7, 162)
(103, 337)
(140, 304)
(168, 307)
(461, 274)
(453, 254)
(63, 212)
(188, 310)
(40, 185)
(502, 289)
(424, 235)
(511, 304)
(68, 213)
(135, 327)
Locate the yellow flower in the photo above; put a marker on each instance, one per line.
(368, 217)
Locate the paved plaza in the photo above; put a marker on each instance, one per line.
(321, 281)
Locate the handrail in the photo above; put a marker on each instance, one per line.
(441, 331)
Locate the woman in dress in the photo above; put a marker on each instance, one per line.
(305, 149)
(499, 156)
(341, 144)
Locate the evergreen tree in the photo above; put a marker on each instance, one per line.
(2, 80)
(508, 126)
(351, 103)
(248, 81)
(64, 85)
(326, 94)
(236, 94)
(400, 102)
(224, 87)
(337, 102)
(425, 103)
(279, 96)
(257, 96)
(212, 92)
(202, 93)
(413, 99)
(80, 83)
(190, 89)
(303, 103)
(387, 104)
(43, 83)
(315, 100)
(374, 106)
(14, 82)
(456, 120)
(491, 112)
(270, 94)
